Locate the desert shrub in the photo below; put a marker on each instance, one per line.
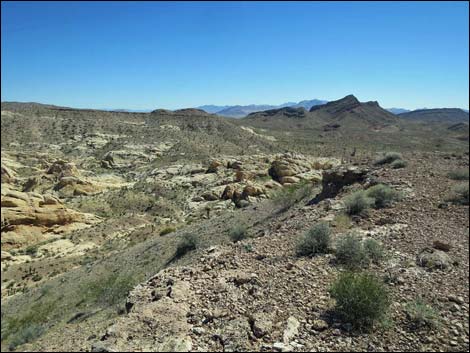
(248, 247)
(374, 250)
(342, 222)
(108, 290)
(25, 328)
(421, 315)
(315, 241)
(398, 163)
(26, 335)
(188, 243)
(361, 299)
(358, 203)
(460, 194)
(353, 253)
(238, 232)
(31, 250)
(383, 195)
(461, 174)
(288, 196)
(167, 230)
(350, 252)
(388, 158)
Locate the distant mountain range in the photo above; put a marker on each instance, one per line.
(240, 111)
(445, 115)
(398, 110)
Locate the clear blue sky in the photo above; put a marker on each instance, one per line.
(141, 55)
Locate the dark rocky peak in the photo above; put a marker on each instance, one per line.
(286, 111)
(341, 105)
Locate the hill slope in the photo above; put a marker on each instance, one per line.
(444, 115)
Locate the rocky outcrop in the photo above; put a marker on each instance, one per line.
(333, 180)
(26, 213)
(157, 319)
(7, 175)
(291, 168)
(72, 186)
(63, 168)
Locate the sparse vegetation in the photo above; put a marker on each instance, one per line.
(358, 203)
(315, 241)
(374, 250)
(188, 243)
(459, 194)
(383, 195)
(25, 328)
(353, 253)
(350, 252)
(248, 247)
(421, 314)
(288, 196)
(398, 164)
(28, 334)
(461, 174)
(167, 230)
(342, 222)
(238, 232)
(108, 290)
(361, 299)
(389, 157)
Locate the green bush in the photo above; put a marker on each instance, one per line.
(111, 289)
(460, 194)
(188, 243)
(31, 250)
(315, 241)
(374, 250)
(358, 203)
(26, 335)
(421, 315)
(383, 195)
(388, 158)
(461, 174)
(398, 163)
(350, 252)
(288, 196)
(361, 299)
(25, 328)
(167, 230)
(239, 232)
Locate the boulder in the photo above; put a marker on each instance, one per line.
(63, 169)
(241, 175)
(228, 192)
(441, 245)
(434, 259)
(210, 196)
(214, 166)
(291, 330)
(261, 324)
(252, 190)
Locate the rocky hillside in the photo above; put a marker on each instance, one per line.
(259, 294)
(185, 231)
(442, 115)
(347, 110)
